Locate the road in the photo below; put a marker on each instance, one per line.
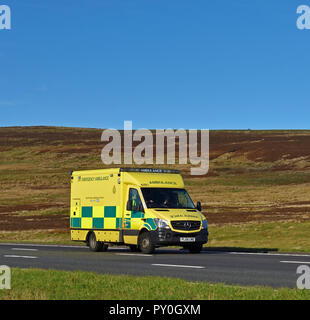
(243, 268)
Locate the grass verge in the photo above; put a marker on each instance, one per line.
(37, 236)
(273, 236)
(30, 284)
(282, 236)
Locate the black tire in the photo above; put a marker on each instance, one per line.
(94, 245)
(134, 248)
(104, 247)
(146, 244)
(195, 248)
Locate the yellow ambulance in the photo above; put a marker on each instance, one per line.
(138, 207)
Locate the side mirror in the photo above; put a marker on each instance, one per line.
(129, 205)
(137, 208)
(198, 207)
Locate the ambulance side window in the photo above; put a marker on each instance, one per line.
(135, 198)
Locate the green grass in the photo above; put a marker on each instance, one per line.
(279, 236)
(38, 236)
(269, 236)
(255, 179)
(51, 284)
(46, 212)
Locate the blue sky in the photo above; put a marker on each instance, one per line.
(160, 63)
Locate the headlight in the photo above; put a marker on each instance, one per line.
(204, 224)
(162, 224)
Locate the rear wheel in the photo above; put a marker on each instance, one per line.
(146, 244)
(95, 245)
(104, 247)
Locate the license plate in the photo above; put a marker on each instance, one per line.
(187, 239)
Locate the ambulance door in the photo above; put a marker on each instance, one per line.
(134, 212)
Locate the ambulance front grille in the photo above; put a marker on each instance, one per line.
(185, 225)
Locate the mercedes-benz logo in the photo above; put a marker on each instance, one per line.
(187, 225)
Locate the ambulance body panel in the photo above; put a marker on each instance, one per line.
(127, 206)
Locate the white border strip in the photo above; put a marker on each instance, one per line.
(14, 256)
(24, 249)
(270, 254)
(296, 262)
(42, 245)
(134, 254)
(176, 266)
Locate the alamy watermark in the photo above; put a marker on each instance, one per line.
(303, 281)
(5, 17)
(303, 20)
(5, 277)
(151, 147)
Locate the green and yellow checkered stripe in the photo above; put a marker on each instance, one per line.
(106, 217)
(134, 222)
(131, 222)
(150, 224)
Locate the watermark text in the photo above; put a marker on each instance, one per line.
(5, 17)
(5, 277)
(303, 20)
(158, 147)
(303, 281)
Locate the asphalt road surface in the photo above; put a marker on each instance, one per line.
(243, 268)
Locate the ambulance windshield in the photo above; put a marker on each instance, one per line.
(171, 198)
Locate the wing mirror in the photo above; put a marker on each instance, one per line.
(198, 206)
(131, 207)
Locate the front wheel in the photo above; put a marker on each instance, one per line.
(194, 248)
(134, 248)
(146, 244)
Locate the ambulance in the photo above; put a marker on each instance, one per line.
(138, 207)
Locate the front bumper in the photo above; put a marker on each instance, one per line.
(167, 237)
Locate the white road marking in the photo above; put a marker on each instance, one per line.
(43, 245)
(296, 262)
(176, 265)
(56, 246)
(24, 249)
(134, 254)
(270, 254)
(15, 256)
